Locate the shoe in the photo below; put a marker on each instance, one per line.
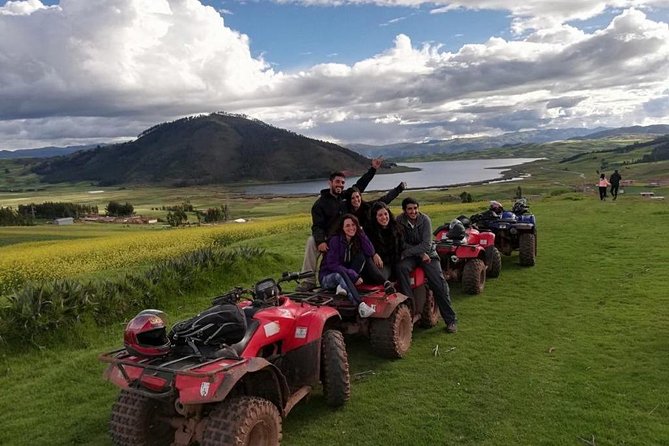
(365, 310)
(452, 327)
(341, 291)
(304, 287)
(389, 287)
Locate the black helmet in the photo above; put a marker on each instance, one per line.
(466, 222)
(520, 206)
(456, 230)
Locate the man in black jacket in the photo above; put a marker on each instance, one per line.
(420, 250)
(325, 213)
(615, 183)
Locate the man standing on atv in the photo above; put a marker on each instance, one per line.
(420, 251)
(325, 214)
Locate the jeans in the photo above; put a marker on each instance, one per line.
(311, 256)
(614, 190)
(435, 279)
(331, 281)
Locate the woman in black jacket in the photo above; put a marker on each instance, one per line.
(386, 236)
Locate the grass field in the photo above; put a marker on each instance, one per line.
(573, 351)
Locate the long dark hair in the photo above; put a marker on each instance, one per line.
(355, 241)
(374, 224)
(375, 234)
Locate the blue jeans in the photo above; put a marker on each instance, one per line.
(333, 279)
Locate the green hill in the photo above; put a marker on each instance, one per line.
(213, 149)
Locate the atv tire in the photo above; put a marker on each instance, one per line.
(137, 420)
(429, 317)
(494, 258)
(527, 249)
(473, 276)
(391, 337)
(334, 369)
(243, 421)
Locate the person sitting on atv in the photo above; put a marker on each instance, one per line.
(361, 208)
(419, 250)
(325, 215)
(349, 252)
(386, 235)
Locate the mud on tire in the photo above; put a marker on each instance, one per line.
(243, 421)
(137, 420)
(494, 259)
(429, 317)
(473, 276)
(527, 249)
(334, 369)
(391, 337)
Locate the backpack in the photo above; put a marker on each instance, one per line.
(218, 326)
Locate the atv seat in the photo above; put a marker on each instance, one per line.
(252, 326)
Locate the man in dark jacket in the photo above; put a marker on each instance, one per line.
(420, 250)
(325, 213)
(615, 183)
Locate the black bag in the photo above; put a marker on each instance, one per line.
(216, 326)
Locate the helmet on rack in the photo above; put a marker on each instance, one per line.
(496, 207)
(466, 222)
(146, 334)
(456, 230)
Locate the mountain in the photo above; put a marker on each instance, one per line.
(405, 150)
(219, 148)
(44, 152)
(650, 130)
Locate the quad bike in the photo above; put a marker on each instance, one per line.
(228, 375)
(390, 327)
(514, 230)
(465, 255)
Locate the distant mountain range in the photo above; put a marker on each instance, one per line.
(45, 152)
(457, 145)
(214, 149)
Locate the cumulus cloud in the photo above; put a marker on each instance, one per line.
(94, 70)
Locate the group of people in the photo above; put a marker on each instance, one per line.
(613, 182)
(362, 242)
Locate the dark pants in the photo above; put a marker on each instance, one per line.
(435, 279)
(602, 192)
(614, 190)
(365, 266)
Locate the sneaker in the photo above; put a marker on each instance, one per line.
(452, 327)
(305, 287)
(389, 287)
(365, 310)
(341, 291)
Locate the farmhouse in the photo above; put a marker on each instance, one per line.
(63, 221)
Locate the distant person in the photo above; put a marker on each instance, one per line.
(386, 235)
(361, 208)
(614, 179)
(325, 215)
(349, 250)
(603, 184)
(420, 250)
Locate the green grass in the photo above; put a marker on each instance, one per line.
(571, 349)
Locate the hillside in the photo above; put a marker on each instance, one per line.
(213, 149)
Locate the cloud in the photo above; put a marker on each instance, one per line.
(94, 71)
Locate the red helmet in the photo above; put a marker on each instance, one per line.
(146, 334)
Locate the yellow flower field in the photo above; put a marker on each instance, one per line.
(84, 256)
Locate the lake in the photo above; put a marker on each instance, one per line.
(431, 174)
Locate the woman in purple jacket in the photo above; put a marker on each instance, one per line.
(348, 252)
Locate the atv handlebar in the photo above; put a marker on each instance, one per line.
(288, 276)
(237, 293)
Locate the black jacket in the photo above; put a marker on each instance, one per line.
(328, 208)
(615, 178)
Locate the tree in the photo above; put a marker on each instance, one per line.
(466, 197)
(116, 209)
(177, 218)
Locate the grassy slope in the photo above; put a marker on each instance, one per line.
(574, 347)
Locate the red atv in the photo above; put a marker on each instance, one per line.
(228, 375)
(466, 255)
(390, 327)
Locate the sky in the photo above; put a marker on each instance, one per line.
(348, 71)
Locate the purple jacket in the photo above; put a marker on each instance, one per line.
(333, 261)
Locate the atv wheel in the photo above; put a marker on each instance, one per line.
(137, 420)
(473, 276)
(334, 369)
(527, 249)
(429, 317)
(243, 421)
(494, 258)
(391, 338)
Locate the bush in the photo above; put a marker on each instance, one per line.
(116, 209)
(9, 217)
